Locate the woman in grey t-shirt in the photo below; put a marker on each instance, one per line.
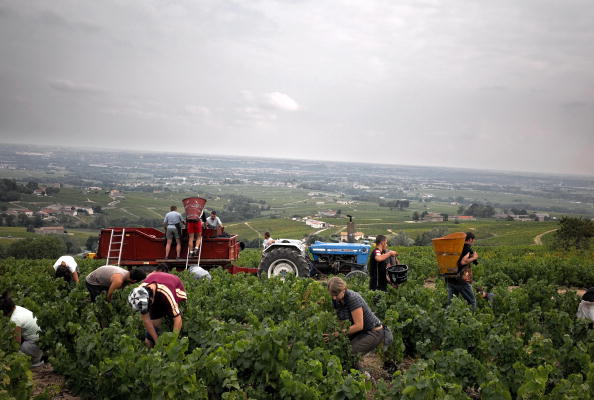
(366, 331)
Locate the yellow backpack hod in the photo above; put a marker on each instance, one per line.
(448, 250)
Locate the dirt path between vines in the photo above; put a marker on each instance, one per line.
(46, 380)
(538, 238)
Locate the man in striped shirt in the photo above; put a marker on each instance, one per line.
(158, 297)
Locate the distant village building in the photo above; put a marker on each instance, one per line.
(94, 189)
(17, 211)
(542, 217)
(50, 230)
(345, 202)
(433, 217)
(344, 236)
(327, 214)
(464, 218)
(115, 193)
(316, 224)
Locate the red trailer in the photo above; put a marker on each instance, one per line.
(135, 246)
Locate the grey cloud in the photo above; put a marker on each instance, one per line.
(70, 87)
(576, 105)
(51, 18)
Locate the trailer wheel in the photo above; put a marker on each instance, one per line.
(283, 262)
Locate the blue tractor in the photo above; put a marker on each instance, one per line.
(293, 257)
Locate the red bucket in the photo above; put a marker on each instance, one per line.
(193, 206)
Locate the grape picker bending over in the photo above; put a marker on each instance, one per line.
(586, 306)
(109, 278)
(67, 268)
(461, 284)
(366, 331)
(26, 331)
(158, 297)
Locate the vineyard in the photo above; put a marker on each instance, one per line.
(245, 338)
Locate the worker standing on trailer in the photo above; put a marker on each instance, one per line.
(67, 268)
(109, 278)
(213, 222)
(378, 263)
(158, 297)
(172, 224)
(461, 285)
(194, 230)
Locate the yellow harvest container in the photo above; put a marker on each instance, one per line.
(447, 250)
(91, 255)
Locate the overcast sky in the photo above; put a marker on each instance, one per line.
(506, 84)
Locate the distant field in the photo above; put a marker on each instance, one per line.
(371, 219)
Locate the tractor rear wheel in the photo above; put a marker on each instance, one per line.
(282, 262)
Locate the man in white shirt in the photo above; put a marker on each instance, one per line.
(67, 268)
(213, 222)
(267, 240)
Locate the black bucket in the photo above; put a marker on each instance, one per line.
(398, 273)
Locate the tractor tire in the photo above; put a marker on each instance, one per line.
(357, 276)
(282, 262)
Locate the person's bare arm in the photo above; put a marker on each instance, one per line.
(75, 276)
(357, 326)
(385, 256)
(177, 323)
(468, 258)
(150, 328)
(17, 334)
(117, 281)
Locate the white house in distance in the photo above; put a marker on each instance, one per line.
(316, 224)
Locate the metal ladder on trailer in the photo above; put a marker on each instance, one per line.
(116, 244)
(199, 254)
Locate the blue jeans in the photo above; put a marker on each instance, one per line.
(465, 290)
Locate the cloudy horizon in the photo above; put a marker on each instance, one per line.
(506, 86)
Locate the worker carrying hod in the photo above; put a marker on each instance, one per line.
(461, 284)
(158, 297)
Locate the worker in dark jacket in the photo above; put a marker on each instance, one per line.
(378, 263)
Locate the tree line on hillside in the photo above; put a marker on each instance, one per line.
(11, 190)
(393, 204)
(39, 246)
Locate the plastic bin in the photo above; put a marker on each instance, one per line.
(398, 273)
